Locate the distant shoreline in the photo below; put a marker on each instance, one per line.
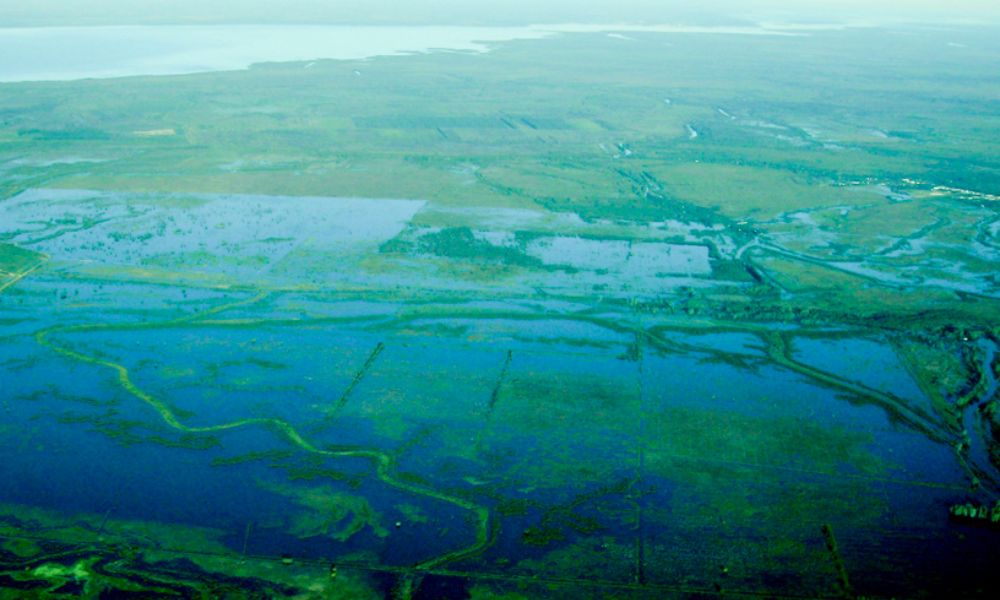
(100, 52)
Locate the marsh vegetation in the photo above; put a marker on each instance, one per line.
(501, 324)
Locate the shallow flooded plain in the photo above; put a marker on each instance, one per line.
(421, 366)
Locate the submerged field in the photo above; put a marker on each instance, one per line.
(509, 325)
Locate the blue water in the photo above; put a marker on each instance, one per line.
(668, 455)
(870, 362)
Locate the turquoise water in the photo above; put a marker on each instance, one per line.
(66, 53)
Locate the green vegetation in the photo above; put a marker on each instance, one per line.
(16, 263)
(330, 513)
(533, 330)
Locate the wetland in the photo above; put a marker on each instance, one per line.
(502, 325)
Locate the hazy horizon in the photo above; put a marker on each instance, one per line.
(479, 12)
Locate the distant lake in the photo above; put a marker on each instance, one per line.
(66, 53)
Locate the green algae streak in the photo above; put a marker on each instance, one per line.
(385, 466)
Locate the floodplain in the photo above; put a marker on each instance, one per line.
(670, 328)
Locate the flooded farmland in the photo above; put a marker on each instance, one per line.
(313, 345)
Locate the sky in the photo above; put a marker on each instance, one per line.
(487, 12)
